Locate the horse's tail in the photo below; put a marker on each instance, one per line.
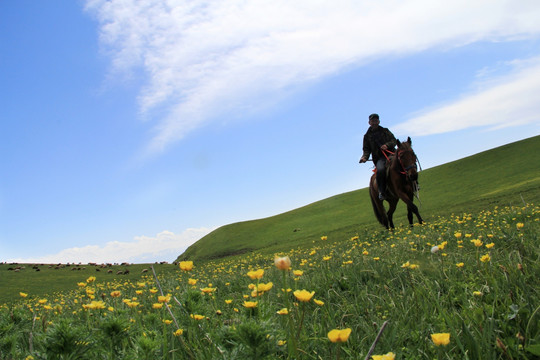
(376, 208)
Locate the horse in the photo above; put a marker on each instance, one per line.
(401, 178)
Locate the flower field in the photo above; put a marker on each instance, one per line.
(460, 287)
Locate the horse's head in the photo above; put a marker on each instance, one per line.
(407, 159)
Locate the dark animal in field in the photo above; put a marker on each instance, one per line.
(401, 180)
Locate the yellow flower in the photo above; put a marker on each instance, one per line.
(116, 293)
(29, 357)
(197, 317)
(133, 304)
(157, 306)
(377, 258)
(153, 291)
(42, 301)
(208, 290)
(326, 258)
(81, 284)
(477, 242)
(228, 301)
(485, 258)
(460, 265)
(414, 266)
(388, 356)
(441, 339)
(283, 311)
(250, 304)
(365, 252)
(457, 235)
(257, 274)
(164, 299)
(338, 335)
(23, 294)
(490, 245)
(324, 237)
(520, 225)
(282, 263)
(178, 332)
(192, 281)
(318, 302)
(281, 342)
(91, 279)
(303, 295)
(298, 272)
(186, 265)
(477, 293)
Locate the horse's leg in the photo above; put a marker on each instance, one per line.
(390, 214)
(411, 208)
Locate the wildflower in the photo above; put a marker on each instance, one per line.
(324, 237)
(110, 308)
(406, 265)
(338, 335)
(303, 295)
(298, 272)
(326, 258)
(208, 290)
(197, 317)
(318, 302)
(153, 291)
(164, 299)
(167, 322)
(477, 242)
(414, 266)
(228, 301)
(365, 252)
(282, 263)
(42, 301)
(250, 304)
(23, 294)
(283, 311)
(192, 281)
(457, 235)
(133, 304)
(29, 357)
(485, 258)
(477, 293)
(81, 284)
(490, 245)
(520, 225)
(441, 339)
(91, 279)
(460, 265)
(178, 332)
(377, 258)
(116, 293)
(281, 342)
(257, 274)
(157, 306)
(388, 356)
(186, 265)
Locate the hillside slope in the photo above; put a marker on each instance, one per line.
(507, 175)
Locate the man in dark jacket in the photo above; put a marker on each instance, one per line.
(376, 140)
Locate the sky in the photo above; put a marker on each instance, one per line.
(129, 129)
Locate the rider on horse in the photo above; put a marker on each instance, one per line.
(376, 140)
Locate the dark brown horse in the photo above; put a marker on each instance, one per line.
(402, 179)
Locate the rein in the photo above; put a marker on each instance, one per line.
(388, 153)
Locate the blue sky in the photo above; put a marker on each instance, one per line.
(130, 129)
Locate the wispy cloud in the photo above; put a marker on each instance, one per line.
(206, 58)
(500, 102)
(164, 246)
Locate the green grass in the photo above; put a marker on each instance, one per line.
(488, 304)
(503, 176)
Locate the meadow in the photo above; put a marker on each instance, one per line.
(462, 286)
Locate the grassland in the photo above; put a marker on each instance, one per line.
(508, 175)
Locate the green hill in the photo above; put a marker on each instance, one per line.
(507, 175)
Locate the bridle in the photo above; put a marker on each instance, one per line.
(404, 169)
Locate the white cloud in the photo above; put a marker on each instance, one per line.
(205, 58)
(165, 246)
(509, 100)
